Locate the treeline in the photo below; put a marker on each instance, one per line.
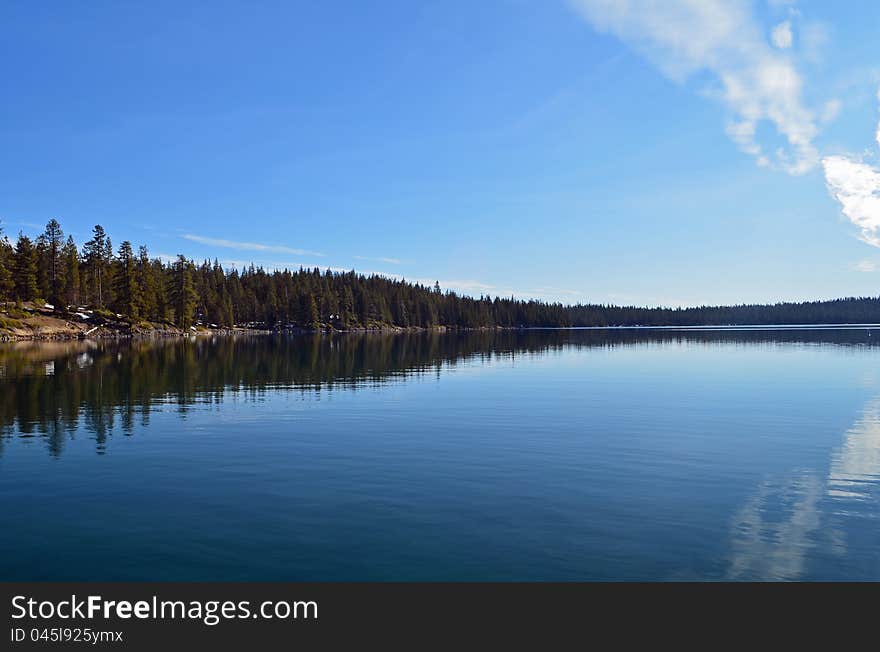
(54, 269)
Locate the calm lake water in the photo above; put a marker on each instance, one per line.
(543, 455)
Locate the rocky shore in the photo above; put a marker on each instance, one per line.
(30, 322)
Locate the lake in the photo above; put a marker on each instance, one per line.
(534, 455)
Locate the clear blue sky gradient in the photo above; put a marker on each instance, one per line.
(498, 146)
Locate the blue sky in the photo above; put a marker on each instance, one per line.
(592, 150)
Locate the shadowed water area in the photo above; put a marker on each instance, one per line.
(535, 455)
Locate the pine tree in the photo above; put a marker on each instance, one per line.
(126, 289)
(146, 279)
(70, 258)
(54, 242)
(25, 271)
(270, 305)
(108, 281)
(313, 320)
(182, 293)
(96, 265)
(7, 285)
(160, 280)
(228, 315)
(347, 308)
(41, 247)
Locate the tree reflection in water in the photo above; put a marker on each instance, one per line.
(50, 389)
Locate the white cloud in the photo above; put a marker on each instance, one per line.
(249, 246)
(856, 185)
(782, 36)
(866, 266)
(723, 37)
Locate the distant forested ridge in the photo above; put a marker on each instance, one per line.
(54, 269)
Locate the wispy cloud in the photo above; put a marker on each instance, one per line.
(242, 263)
(866, 266)
(782, 36)
(380, 259)
(813, 37)
(758, 83)
(466, 286)
(249, 246)
(276, 265)
(831, 110)
(469, 287)
(473, 287)
(30, 225)
(856, 185)
(546, 293)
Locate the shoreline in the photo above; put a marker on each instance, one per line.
(31, 323)
(156, 334)
(69, 331)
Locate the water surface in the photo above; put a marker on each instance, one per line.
(539, 455)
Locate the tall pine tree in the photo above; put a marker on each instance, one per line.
(127, 298)
(7, 285)
(183, 293)
(25, 271)
(55, 268)
(94, 257)
(70, 261)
